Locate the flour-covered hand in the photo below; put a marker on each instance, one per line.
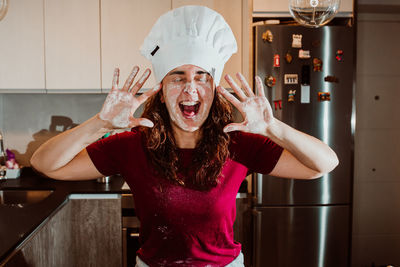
(255, 108)
(121, 104)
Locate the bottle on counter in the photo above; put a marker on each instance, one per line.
(3, 158)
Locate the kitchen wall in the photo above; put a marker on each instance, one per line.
(378, 2)
(28, 120)
(376, 216)
(1, 112)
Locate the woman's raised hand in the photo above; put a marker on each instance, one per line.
(255, 108)
(121, 104)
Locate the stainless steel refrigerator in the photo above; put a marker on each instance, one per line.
(307, 223)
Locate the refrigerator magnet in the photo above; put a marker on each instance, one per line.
(277, 61)
(291, 95)
(270, 81)
(288, 57)
(305, 74)
(267, 36)
(291, 79)
(304, 54)
(324, 96)
(331, 79)
(339, 55)
(296, 40)
(317, 63)
(278, 104)
(305, 94)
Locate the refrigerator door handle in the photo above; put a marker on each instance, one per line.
(258, 188)
(257, 238)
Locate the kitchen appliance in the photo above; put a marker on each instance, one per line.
(130, 230)
(310, 78)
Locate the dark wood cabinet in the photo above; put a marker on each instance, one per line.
(83, 232)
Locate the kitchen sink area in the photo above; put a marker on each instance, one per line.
(20, 197)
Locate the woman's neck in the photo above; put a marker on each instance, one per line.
(186, 139)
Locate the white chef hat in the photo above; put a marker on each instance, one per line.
(195, 35)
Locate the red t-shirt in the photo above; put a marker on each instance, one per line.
(181, 226)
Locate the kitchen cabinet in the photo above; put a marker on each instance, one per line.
(72, 45)
(69, 46)
(21, 47)
(231, 10)
(83, 232)
(276, 8)
(124, 25)
(49, 245)
(96, 228)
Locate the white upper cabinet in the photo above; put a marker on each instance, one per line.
(124, 25)
(72, 45)
(21, 47)
(231, 10)
(69, 46)
(281, 7)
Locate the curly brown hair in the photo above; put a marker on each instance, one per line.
(211, 150)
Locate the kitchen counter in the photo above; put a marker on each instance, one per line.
(17, 222)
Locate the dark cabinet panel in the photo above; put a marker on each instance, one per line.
(84, 232)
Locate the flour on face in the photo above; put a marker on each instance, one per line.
(188, 98)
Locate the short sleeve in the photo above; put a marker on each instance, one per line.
(258, 153)
(108, 154)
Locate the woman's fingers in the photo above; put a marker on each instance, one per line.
(140, 121)
(130, 79)
(238, 91)
(230, 97)
(115, 79)
(235, 127)
(141, 81)
(245, 85)
(141, 99)
(259, 87)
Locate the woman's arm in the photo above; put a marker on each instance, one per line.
(64, 156)
(304, 156)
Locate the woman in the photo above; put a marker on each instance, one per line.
(184, 160)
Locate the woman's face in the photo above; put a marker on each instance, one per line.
(188, 93)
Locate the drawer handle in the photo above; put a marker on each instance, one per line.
(134, 234)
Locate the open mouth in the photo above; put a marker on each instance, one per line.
(189, 108)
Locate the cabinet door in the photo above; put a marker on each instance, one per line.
(21, 46)
(97, 230)
(49, 245)
(124, 25)
(231, 10)
(86, 231)
(72, 44)
(279, 6)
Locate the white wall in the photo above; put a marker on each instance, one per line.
(1, 112)
(376, 215)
